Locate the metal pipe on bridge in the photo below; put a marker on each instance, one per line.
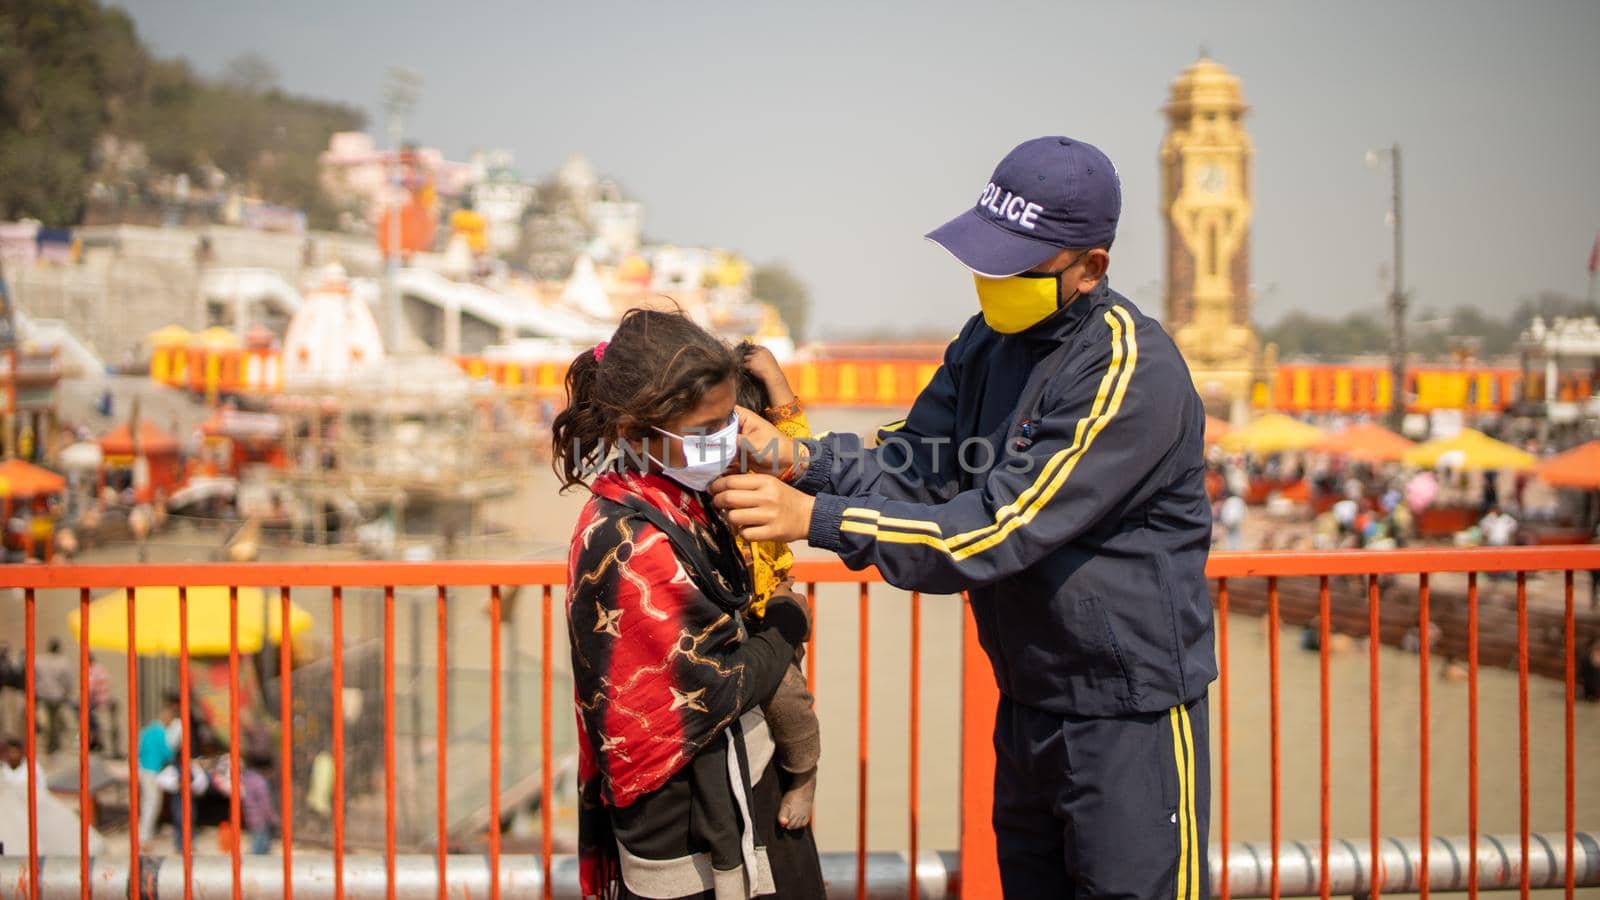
(1350, 865)
(938, 874)
(415, 877)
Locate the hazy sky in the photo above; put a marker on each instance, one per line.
(831, 136)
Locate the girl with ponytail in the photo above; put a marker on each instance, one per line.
(678, 783)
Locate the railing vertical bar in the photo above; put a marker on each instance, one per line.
(862, 713)
(233, 739)
(286, 735)
(134, 806)
(185, 823)
(1424, 627)
(1277, 760)
(494, 742)
(31, 721)
(914, 739)
(84, 812)
(388, 741)
(441, 731)
(546, 785)
(1222, 715)
(1472, 735)
(338, 741)
(1572, 697)
(1374, 643)
(811, 640)
(1522, 725)
(1324, 651)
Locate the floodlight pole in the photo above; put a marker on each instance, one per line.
(1397, 294)
(399, 97)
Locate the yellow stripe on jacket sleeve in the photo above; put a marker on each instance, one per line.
(1108, 401)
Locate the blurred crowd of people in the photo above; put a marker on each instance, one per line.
(157, 747)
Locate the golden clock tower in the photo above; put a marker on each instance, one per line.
(1205, 198)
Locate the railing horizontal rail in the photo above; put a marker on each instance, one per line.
(1291, 564)
(430, 574)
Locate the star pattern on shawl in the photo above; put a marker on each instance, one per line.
(688, 699)
(607, 621)
(613, 746)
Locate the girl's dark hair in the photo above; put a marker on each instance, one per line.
(752, 391)
(657, 367)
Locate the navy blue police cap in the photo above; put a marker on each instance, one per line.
(1048, 194)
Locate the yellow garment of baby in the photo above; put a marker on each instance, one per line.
(770, 561)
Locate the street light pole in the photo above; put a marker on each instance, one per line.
(1397, 300)
(399, 96)
(1397, 294)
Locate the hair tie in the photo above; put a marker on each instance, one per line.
(600, 351)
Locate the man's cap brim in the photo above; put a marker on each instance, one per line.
(988, 249)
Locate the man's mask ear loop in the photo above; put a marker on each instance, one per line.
(1061, 284)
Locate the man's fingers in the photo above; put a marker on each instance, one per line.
(745, 483)
(735, 499)
(757, 533)
(748, 517)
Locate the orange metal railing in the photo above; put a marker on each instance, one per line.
(978, 873)
(1373, 567)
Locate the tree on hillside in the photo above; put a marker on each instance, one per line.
(82, 101)
(1434, 335)
(775, 284)
(69, 71)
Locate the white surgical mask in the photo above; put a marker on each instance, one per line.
(705, 456)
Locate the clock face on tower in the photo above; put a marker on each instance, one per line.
(1212, 179)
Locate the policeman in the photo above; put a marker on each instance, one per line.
(1053, 470)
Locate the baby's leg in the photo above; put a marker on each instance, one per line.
(798, 737)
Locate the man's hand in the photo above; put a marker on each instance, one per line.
(763, 508)
(762, 447)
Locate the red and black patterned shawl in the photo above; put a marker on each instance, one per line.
(657, 670)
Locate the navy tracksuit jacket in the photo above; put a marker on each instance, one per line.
(1056, 475)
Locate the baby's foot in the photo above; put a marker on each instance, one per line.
(794, 810)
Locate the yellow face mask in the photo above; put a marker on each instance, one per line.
(1015, 304)
(1020, 302)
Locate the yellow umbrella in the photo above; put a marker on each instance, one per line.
(218, 338)
(170, 336)
(1273, 433)
(156, 611)
(1476, 450)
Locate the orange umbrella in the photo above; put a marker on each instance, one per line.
(1576, 468)
(1366, 442)
(1216, 429)
(21, 479)
(119, 441)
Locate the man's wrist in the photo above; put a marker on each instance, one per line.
(813, 472)
(827, 513)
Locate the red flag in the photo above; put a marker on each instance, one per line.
(1594, 255)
